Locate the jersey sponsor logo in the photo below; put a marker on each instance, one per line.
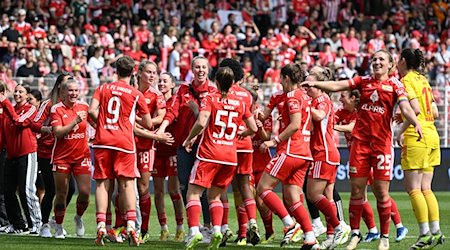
(387, 88)
(352, 170)
(293, 105)
(374, 96)
(373, 108)
(75, 136)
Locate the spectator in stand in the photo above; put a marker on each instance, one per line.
(186, 57)
(43, 67)
(36, 31)
(284, 36)
(30, 68)
(350, 43)
(18, 60)
(306, 58)
(67, 65)
(302, 37)
(23, 27)
(5, 79)
(151, 48)
(250, 46)
(4, 23)
(210, 45)
(269, 43)
(175, 61)
(107, 73)
(105, 38)
(54, 70)
(326, 56)
(170, 38)
(81, 81)
(376, 43)
(272, 74)
(11, 34)
(142, 33)
(10, 53)
(54, 43)
(21, 165)
(56, 9)
(86, 37)
(135, 52)
(335, 42)
(42, 51)
(229, 42)
(414, 41)
(95, 64)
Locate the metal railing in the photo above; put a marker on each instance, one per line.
(441, 96)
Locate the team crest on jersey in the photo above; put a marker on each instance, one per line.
(147, 101)
(374, 96)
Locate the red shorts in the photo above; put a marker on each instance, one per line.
(245, 161)
(111, 164)
(80, 167)
(323, 170)
(290, 170)
(207, 174)
(146, 160)
(366, 157)
(165, 166)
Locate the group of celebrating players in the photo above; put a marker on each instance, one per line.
(207, 136)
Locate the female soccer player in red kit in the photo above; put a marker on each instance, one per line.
(166, 166)
(147, 76)
(372, 148)
(21, 165)
(45, 143)
(322, 174)
(114, 108)
(293, 158)
(70, 153)
(184, 109)
(216, 161)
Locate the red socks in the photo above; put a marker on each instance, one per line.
(81, 207)
(60, 211)
(355, 212)
(250, 207)
(193, 211)
(274, 203)
(325, 206)
(395, 214)
(368, 215)
(216, 212)
(384, 212)
(145, 204)
(226, 209)
(300, 214)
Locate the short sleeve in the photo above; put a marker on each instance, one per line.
(272, 102)
(322, 105)
(409, 88)
(294, 105)
(355, 82)
(247, 112)
(399, 90)
(97, 94)
(206, 104)
(160, 102)
(55, 118)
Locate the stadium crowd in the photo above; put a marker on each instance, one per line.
(216, 48)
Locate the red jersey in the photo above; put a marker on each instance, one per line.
(277, 101)
(258, 157)
(287, 56)
(229, 42)
(344, 117)
(270, 43)
(46, 141)
(19, 139)
(218, 142)
(180, 110)
(163, 149)
(323, 146)
(73, 147)
(376, 106)
(245, 145)
(57, 6)
(298, 144)
(155, 101)
(2, 130)
(117, 113)
(274, 74)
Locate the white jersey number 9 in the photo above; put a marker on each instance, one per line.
(113, 109)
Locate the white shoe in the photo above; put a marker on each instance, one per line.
(384, 243)
(339, 235)
(319, 229)
(59, 231)
(52, 223)
(327, 242)
(79, 225)
(347, 229)
(45, 231)
(206, 233)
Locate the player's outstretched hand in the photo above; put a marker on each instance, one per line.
(307, 84)
(166, 138)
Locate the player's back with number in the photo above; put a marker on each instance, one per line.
(118, 103)
(218, 143)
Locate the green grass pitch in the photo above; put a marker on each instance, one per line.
(72, 242)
